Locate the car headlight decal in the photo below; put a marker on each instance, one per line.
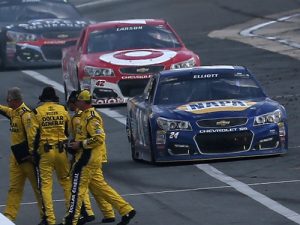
(184, 64)
(96, 71)
(19, 36)
(168, 125)
(272, 117)
(160, 137)
(281, 128)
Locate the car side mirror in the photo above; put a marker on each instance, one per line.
(146, 96)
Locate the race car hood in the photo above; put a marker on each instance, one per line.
(141, 57)
(37, 26)
(217, 108)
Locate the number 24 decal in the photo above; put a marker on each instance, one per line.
(174, 135)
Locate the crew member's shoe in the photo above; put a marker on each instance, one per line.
(126, 218)
(90, 218)
(43, 222)
(85, 219)
(108, 220)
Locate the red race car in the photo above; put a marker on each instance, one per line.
(115, 59)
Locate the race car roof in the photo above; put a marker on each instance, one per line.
(204, 70)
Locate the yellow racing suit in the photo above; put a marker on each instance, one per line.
(87, 170)
(20, 168)
(105, 207)
(47, 138)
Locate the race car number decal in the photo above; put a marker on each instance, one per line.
(174, 135)
(100, 83)
(216, 106)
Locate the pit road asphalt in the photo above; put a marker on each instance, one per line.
(281, 31)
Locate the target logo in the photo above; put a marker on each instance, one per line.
(138, 57)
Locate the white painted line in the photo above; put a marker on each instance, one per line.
(44, 79)
(182, 190)
(113, 114)
(246, 190)
(57, 86)
(278, 35)
(94, 3)
(206, 188)
(295, 146)
(249, 32)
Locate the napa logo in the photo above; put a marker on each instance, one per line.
(216, 106)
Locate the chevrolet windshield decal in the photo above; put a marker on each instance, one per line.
(216, 106)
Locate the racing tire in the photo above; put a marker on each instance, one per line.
(153, 158)
(132, 147)
(78, 82)
(2, 52)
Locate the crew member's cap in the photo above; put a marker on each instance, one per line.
(49, 94)
(73, 97)
(84, 95)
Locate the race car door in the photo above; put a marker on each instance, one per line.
(142, 114)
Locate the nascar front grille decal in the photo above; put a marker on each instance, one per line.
(216, 106)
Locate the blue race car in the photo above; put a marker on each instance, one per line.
(201, 113)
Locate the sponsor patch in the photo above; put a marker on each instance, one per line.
(132, 77)
(222, 130)
(98, 129)
(141, 57)
(216, 106)
(129, 28)
(110, 101)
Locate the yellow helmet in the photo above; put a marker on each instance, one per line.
(84, 95)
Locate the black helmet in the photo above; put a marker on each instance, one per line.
(73, 97)
(49, 94)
